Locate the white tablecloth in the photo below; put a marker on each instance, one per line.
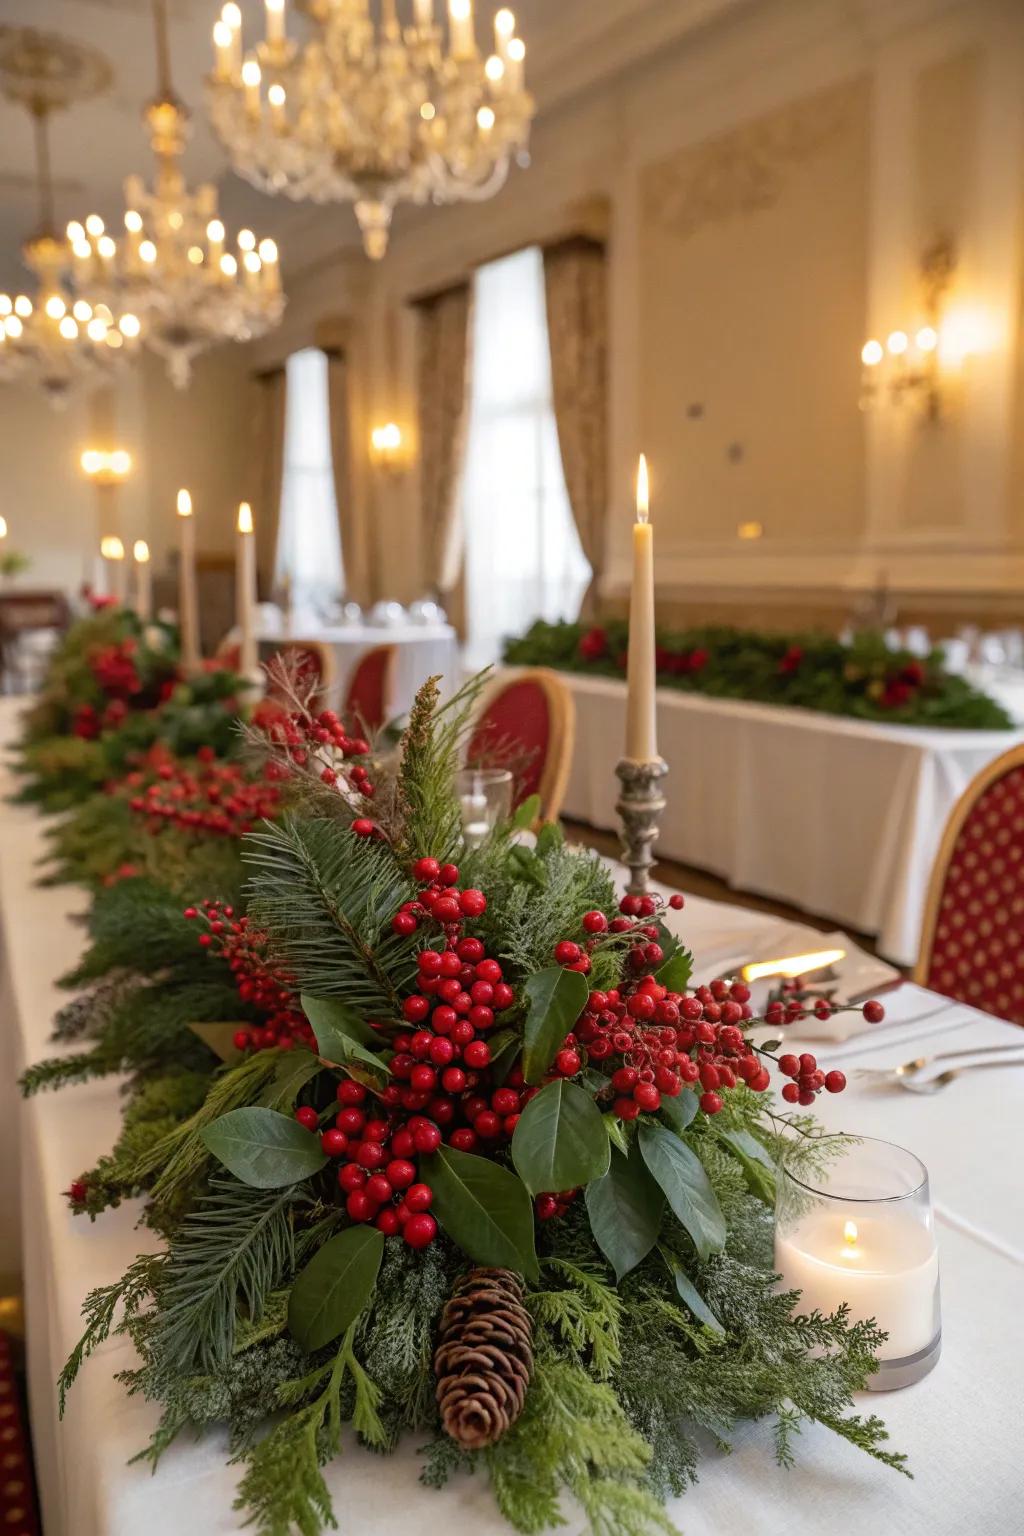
(840, 817)
(959, 1425)
(421, 651)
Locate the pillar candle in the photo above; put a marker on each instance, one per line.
(188, 597)
(143, 581)
(462, 38)
(641, 728)
(245, 591)
(275, 22)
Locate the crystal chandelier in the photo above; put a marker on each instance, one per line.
(51, 340)
(171, 264)
(371, 114)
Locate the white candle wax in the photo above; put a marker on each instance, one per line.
(245, 591)
(143, 582)
(641, 726)
(117, 578)
(883, 1265)
(423, 11)
(188, 597)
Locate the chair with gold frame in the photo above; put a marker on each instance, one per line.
(313, 660)
(526, 721)
(972, 938)
(369, 691)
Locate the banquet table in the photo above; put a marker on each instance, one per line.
(959, 1425)
(839, 817)
(421, 651)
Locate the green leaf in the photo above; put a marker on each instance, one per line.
(527, 866)
(556, 999)
(335, 1286)
(616, 1132)
(625, 1209)
(681, 1176)
(484, 1208)
(756, 1161)
(504, 1044)
(341, 1035)
(676, 972)
(560, 1140)
(295, 1069)
(263, 1148)
(678, 1112)
(549, 838)
(690, 1296)
(526, 813)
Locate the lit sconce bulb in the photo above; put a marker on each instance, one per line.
(96, 330)
(111, 547)
(115, 339)
(23, 306)
(55, 306)
(252, 262)
(927, 338)
(221, 34)
(251, 74)
(68, 328)
(459, 10)
(5, 304)
(246, 240)
(106, 247)
(82, 310)
(387, 438)
(268, 251)
(133, 221)
(141, 551)
(195, 255)
(485, 119)
(13, 327)
(147, 252)
(244, 517)
(215, 230)
(897, 342)
(3, 527)
(228, 265)
(428, 111)
(231, 16)
(129, 325)
(276, 96)
(516, 50)
(871, 354)
(184, 504)
(494, 68)
(94, 225)
(504, 23)
(91, 461)
(82, 249)
(75, 232)
(120, 461)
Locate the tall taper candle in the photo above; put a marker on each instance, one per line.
(245, 591)
(143, 582)
(188, 597)
(112, 550)
(641, 726)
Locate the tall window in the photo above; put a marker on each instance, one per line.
(308, 540)
(523, 555)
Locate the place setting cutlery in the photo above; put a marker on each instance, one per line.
(907, 1075)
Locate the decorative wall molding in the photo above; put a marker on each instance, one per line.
(745, 170)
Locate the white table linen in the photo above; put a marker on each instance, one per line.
(840, 817)
(421, 651)
(959, 1425)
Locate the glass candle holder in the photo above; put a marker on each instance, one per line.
(485, 796)
(862, 1232)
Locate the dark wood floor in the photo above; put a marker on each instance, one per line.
(697, 882)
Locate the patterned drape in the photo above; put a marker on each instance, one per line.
(575, 287)
(352, 520)
(443, 391)
(269, 460)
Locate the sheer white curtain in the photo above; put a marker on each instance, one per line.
(308, 539)
(523, 559)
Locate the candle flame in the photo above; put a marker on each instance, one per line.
(244, 517)
(111, 547)
(643, 495)
(141, 551)
(850, 1233)
(793, 965)
(184, 503)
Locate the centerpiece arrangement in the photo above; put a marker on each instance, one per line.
(479, 1165)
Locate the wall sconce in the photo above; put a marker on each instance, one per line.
(752, 530)
(106, 468)
(909, 366)
(387, 448)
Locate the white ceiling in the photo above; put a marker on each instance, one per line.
(572, 44)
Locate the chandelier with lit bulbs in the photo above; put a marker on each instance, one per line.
(172, 264)
(373, 114)
(52, 340)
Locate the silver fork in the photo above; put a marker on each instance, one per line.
(943, 1079)
(908, 1068)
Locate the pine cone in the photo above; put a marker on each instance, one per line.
(484, 1359)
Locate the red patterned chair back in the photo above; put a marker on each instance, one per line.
(368, 696)
(972, 941)
(527, 722)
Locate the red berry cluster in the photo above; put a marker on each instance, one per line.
(86, 723)
(317, 744)
(808, 1079)
(113, 667)
(218, 797)
(264, 986)
(439, 899)
(798, 1003)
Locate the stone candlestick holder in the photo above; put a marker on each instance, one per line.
(639, 805)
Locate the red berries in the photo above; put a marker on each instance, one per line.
(425, 870)
(363, 827)
(566, 952)
(594, 922)
(473, 903)
(567, 1062)
(873, 1012)
(420, 1229)
(835, 1082)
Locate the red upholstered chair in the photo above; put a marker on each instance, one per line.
(527, 722)
(369, 692)
(315, 664)
(972, 941)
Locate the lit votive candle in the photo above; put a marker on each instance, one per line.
(861, 1232)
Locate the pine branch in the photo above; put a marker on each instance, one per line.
(100, 1310)
(431, 749)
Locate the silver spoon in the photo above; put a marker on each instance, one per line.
(908, 1068)
(943, 1079)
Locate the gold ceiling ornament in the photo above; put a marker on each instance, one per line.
(52, 339)
(172, 264)
(372, 113)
